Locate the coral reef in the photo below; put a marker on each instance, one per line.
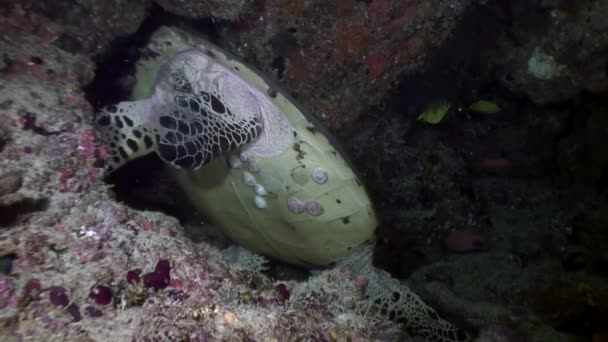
(83, 266)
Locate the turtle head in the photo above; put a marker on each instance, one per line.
(197, 112)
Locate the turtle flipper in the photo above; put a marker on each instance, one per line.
(123, 132)
(198, 129)
(388, 297)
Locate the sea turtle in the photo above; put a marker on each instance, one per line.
(260, 168)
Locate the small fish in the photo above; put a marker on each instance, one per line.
(485, 107)
(435, 112)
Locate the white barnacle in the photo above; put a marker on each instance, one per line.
(320, 176)
(243, 156)
(260, 202)
(260, 190)
(234, 162)
(249, 179)
(295, 205)
(314, 208)
(253, 166)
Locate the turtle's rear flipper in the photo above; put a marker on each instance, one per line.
(124, 132)
(197, 131)
(388, 297)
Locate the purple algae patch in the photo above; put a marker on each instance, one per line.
(101, 294)
(58, 297)
(133, 276)
(156, 280)
(283, 291)
(74, 311)
(163, 267)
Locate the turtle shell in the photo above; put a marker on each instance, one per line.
(304, 206)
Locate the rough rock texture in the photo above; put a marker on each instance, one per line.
(83, 26)
(77, 265)
(221, 9)
(340, 57)
(555, 49)
(89, 26)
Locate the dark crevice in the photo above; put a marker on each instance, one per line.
(10, 214)
(116, 66)
(6, 263)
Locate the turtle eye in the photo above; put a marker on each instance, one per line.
(179, 81)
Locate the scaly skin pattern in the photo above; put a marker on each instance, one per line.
(289, 194)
